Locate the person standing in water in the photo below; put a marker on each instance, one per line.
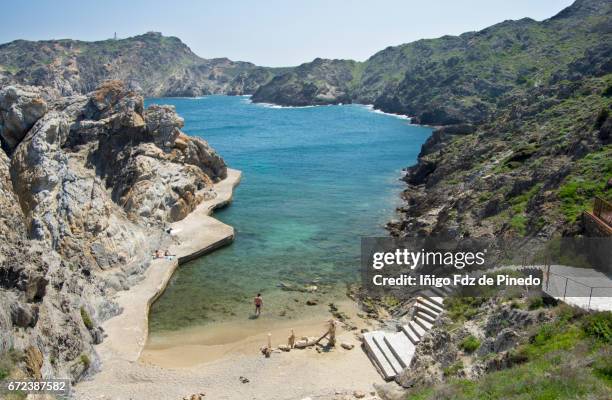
(258, 304)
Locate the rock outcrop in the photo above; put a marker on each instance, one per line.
(87, 184)
(316, 83)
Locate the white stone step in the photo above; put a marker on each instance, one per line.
(424, 308)
(431, 304)
(386, 370)
(424, 324)
(418, 330)
(387, 352)
(410, 334)
(401, 346)
(426, 317)
(434, 298)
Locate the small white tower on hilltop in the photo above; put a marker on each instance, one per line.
(115, 37)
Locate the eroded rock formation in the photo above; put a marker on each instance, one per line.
(86, 181)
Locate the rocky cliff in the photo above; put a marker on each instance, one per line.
(524, 105)
(88, 183)
(153, 64)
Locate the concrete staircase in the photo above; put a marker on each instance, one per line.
(392, 352)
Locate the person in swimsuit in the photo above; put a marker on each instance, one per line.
(258, 303)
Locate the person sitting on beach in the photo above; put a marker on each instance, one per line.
(168, 255)
(258, 304)
(157, 254)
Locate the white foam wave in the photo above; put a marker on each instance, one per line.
(399, 116)
(270, 105)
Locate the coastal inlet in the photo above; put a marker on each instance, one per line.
(315, 180)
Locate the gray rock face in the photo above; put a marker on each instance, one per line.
(20, 108)
(85, 182)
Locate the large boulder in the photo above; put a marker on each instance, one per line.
(20, 108)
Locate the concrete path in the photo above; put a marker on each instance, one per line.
(581, 287)
(196, 234)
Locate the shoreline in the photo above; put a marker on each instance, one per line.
(179, 367)
(197, 234)
(198, 345)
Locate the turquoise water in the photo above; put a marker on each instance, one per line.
(315, 180)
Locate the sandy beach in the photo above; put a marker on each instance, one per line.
(212, 359)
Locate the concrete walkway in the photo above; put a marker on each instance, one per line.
(581, 287)
(197, 234)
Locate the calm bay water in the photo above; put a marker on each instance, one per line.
(315, 180)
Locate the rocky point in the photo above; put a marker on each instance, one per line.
(88, 183)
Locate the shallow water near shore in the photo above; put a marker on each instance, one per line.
(315, 180)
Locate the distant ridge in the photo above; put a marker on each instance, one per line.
(154, 64)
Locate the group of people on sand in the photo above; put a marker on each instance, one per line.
(166, 254)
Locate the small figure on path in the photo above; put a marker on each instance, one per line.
(258, 304)
(291, 340)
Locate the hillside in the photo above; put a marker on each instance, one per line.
(525, 107)
(154, 64)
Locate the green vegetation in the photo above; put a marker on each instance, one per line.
(568, 358)
(86, 319)
(599, 326)
(470, 344)
(519, 223)
(589, 180)
(461, 308)
(536, 302)
(85, 361)
(453, 369)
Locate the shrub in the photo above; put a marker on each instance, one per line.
(85, 360)
(519, 223)
(544, 335)
(453, 369)
(536, 302)
(463, 308)
(603, 368)
(599, 326)
(470, 344)
(86, 319)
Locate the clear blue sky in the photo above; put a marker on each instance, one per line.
(267, 32)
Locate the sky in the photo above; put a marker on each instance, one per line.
(267, 32)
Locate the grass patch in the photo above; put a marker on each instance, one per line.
(453, 369)
(470, 344)
(462, 308)
(86, 319)
(599, 326)
(536, 302)
(589, 180)
(85, 361)
(519, 223)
